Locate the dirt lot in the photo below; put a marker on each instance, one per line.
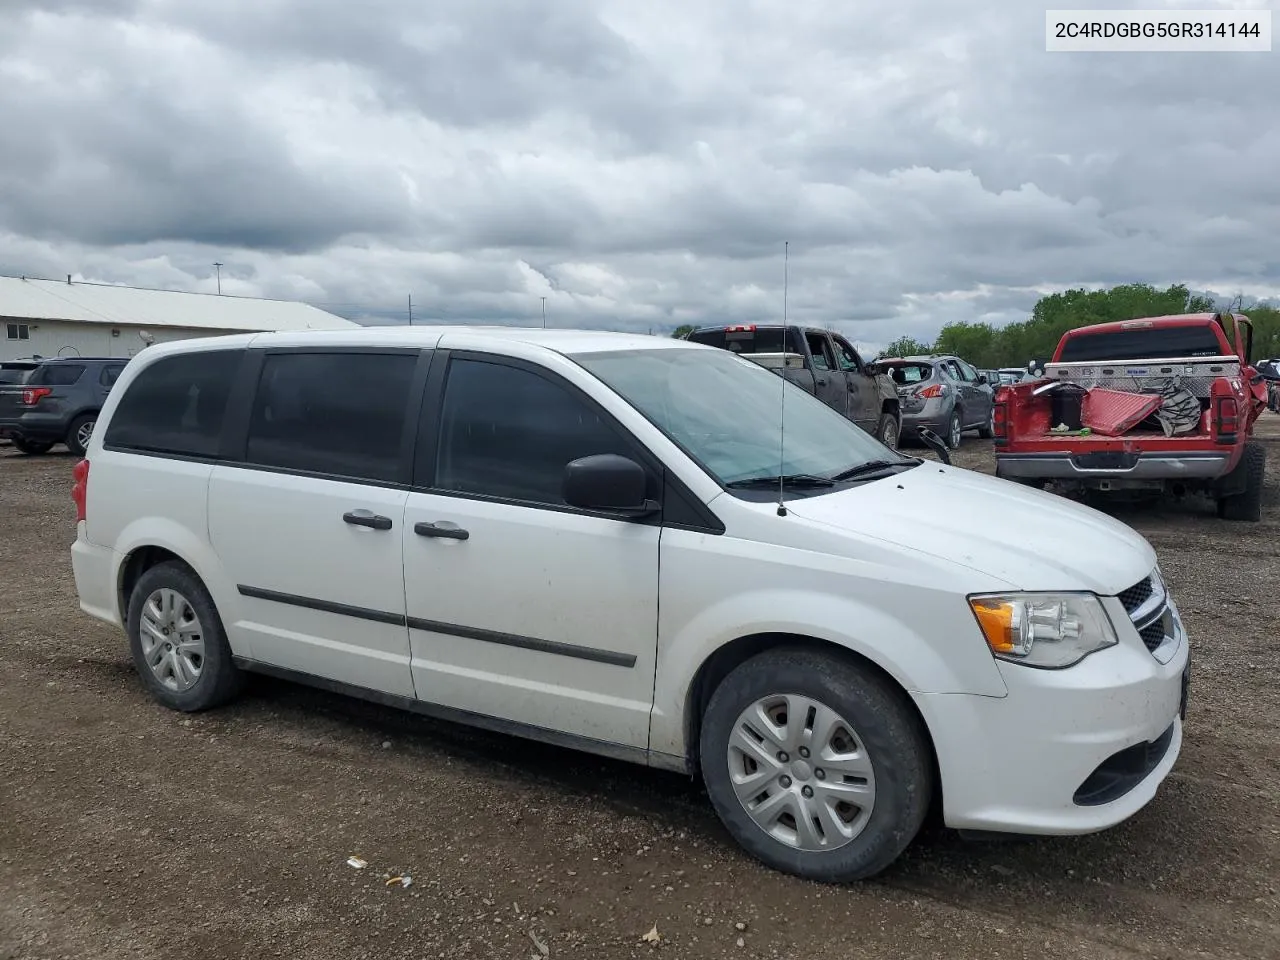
(130, 831)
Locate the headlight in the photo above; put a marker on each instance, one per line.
(1050, 630)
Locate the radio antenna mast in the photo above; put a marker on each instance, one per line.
(782, 407)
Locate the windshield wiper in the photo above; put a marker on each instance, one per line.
(790, 480)
(871, 466)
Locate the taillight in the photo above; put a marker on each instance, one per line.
(932, 391)
(80, 488)
(33, 395)
(1227, 414)
(1001, 419)
(741, 328)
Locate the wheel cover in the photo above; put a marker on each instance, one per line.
(955, 430)
(801, 772)
(172, 639)
(84, 433)
(891, 436)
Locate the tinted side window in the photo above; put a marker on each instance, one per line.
(341, 414)
(176, 405)
(507, 432)
(110, 375)
(58, 374)
(967, 373)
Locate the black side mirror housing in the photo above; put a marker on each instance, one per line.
(982, 379)
(609, 483)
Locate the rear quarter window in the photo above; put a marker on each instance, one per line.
(57, 374)
(176, 405)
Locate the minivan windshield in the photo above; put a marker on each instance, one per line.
(726, 413)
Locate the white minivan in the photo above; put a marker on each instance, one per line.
(611, 542)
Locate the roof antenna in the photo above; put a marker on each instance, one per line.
(782, 425)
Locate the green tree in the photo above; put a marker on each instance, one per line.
(682, 332)
(905, 347)
(1055, 314)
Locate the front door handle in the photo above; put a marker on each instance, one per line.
(366, 518)
(446, 533)
(822, 381)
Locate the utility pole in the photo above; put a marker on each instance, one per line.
(218, 267)
(411, 309)
(544, 313)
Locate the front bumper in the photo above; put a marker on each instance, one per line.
(1066, 752)
(1143, 466)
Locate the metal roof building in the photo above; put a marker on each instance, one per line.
(53, 318)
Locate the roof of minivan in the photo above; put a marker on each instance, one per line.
(559, 340)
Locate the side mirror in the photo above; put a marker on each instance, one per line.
(982, 379)
(607, 482)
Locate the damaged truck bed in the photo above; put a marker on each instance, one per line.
(1164, 405)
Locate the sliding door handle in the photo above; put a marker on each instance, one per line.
(366, 518)
(445, 533)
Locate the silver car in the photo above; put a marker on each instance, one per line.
(942, 393)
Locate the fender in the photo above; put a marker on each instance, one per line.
(876, 633)
(194, 550)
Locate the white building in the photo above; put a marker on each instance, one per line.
(56, 318)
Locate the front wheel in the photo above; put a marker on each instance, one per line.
(889, 432)
(817, 767)
(989, 431)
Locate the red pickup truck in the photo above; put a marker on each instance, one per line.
(1158, 405)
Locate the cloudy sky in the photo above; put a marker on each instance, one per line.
(639, 163)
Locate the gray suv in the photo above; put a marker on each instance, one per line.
(942, 393)
(57, 402)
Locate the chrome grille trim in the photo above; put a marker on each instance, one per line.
(1147, 603)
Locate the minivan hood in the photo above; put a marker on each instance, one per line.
(1026, 538)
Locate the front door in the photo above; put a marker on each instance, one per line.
(864, 393)
(309, 528)
(520, 607)
(829, 385)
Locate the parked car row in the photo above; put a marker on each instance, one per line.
(51, 401)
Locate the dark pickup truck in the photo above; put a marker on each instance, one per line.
(823, 363)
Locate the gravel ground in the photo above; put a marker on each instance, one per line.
(130, 831)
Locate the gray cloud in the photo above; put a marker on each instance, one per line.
(639, 165)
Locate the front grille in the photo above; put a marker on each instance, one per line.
(1153, 634)
(1136, 595)
(1148, 607)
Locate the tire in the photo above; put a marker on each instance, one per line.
(79, 432)
(989, 431)
(955, 430)
(33, 448)
(217, 679)
(890, 432)
(1247, 505)
(886, 738)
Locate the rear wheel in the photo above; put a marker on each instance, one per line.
(954, 430)
(816, 766)
(177, 640)
(80, 432)
(888, 434)
(1247, 505)
(33, 447)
